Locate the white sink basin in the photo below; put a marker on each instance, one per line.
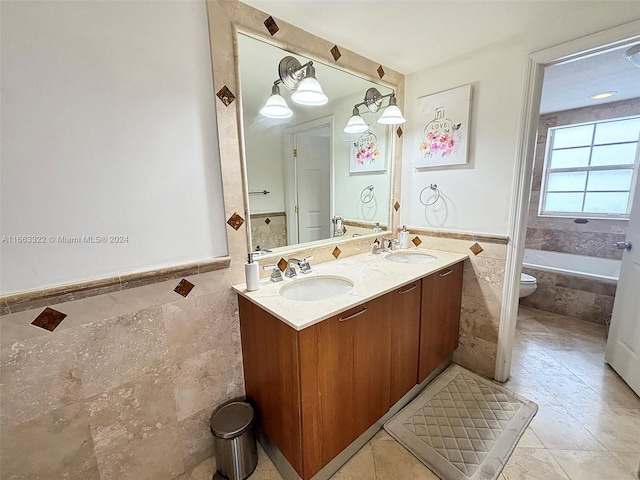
(316, 288)
(410, 257)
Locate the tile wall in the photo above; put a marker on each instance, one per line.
(124, 387)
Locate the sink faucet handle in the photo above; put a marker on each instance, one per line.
(375, 247)
(290, 271)
(304, 264)
(276, 274)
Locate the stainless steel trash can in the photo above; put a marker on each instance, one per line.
(234, 441)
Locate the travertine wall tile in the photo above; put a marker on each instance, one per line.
(587, 299)
(208, 379)
(38, 376)
(193, 327)
(196, 438)
(55, 445)
(135, 428)
(117, 350)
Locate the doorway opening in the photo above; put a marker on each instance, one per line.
(541, 127)
(309, 181)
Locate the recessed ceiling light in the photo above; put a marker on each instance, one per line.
(602, 95)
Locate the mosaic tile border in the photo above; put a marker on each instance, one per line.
(75, 291)
(455, 235)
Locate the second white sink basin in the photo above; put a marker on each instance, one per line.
(410, 257)
(316, 288)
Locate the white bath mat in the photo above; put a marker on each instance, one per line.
(463, 426)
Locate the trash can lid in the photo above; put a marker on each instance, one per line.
(232, 420)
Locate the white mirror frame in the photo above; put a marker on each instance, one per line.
(226, 20)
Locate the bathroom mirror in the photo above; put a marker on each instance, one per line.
(304, 171)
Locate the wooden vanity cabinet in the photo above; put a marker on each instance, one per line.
(405, 335)
(318, 389)
(440, 317)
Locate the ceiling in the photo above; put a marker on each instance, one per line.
(571, 85)
(413, 35)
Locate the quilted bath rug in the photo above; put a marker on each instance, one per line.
(463, 426)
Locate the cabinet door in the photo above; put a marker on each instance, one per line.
(404, 320)
(344, 372)
(440, 317)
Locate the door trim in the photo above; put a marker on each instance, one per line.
(527, 131)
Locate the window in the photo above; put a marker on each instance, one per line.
(591, 168)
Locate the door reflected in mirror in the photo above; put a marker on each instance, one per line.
(309, 180)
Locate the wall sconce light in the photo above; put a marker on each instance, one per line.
(276, 106)
(356, 123)
(301, 79)
(373, 101)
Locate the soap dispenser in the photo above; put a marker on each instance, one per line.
(404, 237)
(252, 273)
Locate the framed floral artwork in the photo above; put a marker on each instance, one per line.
(368, 154)
(442, 136)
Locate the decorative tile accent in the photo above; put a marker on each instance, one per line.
(282, 264)
(396, 206)
(335, 51)
(399, 132)
(49, 319)
(336, 252)
(267, 221)
(226, 96)
(271, 25)
(184, 287)
(476, 249)
(380, 71)
(235, 221)
(416, 241)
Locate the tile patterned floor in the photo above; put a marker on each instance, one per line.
(587, 427)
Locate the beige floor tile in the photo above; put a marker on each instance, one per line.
(570, 391)
(393, 461)
(617, 429)
(530, 440)
(538, 361)
(581, 465)
(265, 470)
(533, 464)
(630, 461)
(615, 392)
(360, 467)
(557, 428)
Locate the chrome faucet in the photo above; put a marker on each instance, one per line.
(303, 264)
(276, 274)
(388, 245)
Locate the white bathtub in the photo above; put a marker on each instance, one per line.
(604, 269)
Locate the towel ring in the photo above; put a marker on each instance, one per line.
(434, 188)
(367, 194)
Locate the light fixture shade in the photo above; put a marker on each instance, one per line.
(633, 54)
(276, 107)
(391, 116)
(356, 125)
(309, 92)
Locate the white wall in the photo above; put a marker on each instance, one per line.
(108, 128)
(265, 157)
(475, 197)
(478, 197)
(348, 186)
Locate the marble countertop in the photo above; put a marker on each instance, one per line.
(372, 276)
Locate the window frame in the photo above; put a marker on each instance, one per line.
(589, 168)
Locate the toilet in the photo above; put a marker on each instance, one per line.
(528, 284)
